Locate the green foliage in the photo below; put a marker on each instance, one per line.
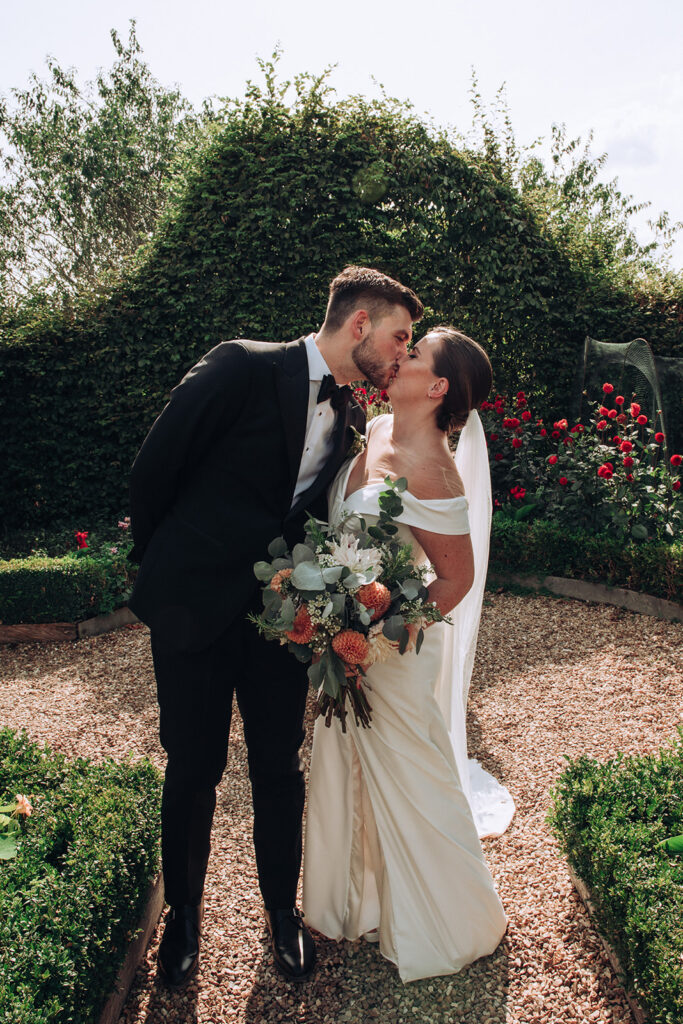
(610, 474)
(86, 174)
(70, 901)
(649, 567)
(67, 589)
(277, 202)
(610, 820)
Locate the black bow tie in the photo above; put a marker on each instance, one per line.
(338, 396)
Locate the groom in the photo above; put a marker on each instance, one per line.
(247, 445)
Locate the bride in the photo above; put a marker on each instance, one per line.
(395, 811)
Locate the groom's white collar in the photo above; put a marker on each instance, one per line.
(317, 367)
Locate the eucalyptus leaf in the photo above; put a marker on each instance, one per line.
(327, 610)
(264, 572)
(338, 603)
(300, 652)
(394, 627)
(332, 574)
(287, 613)
(365, 618)
(410, 589)
(403, 642)
(302, 553)
(418, 641)
(315, 673)
(278, 547)
(307, 576)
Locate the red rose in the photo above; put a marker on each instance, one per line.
(552, 459)
(676, 485)
(526, 415)
(485, 406)
(521, 402)
(384, 395)
(616, 439)
(494, 437)
(619, 400)
(543, 432)
(567, 440)
(612, 413)
(561, 425)
(622, 418)
(601, 424)
(514, 422)
(498, 456)
(603, 410)
(626, 446)
(675, 460)
(628, 462)
(516, 442)
(610, 466)
(563, 481)
(635, 409)
(608, 388)
(81, 538)
(605, 472)
(520, 395)
(578, 428)
(555, 434)
(629, 476)
(642, 420)
(659, 437)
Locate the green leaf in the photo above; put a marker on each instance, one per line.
(8, 846)
(264, 572)
(332, 574)
(302, 553)
(307, 576)
(393, 627)
(278, 547)
(672, 845)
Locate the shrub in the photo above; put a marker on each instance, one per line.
(612, 475)
(609, 819)
(70, 901)
(650, 567)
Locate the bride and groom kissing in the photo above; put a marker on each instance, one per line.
(254, 438)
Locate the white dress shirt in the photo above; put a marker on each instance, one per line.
(319, 422)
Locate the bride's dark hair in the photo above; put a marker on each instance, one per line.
(466, 367)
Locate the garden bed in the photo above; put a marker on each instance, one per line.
(74, 895)
(610, 820)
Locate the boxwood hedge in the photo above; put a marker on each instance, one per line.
(609, 819)
(74, 895)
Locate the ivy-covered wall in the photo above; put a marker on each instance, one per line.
(278, 202)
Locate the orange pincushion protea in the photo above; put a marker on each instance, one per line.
(303, 629)
(352, 647)
(376, 598)
(276, 582)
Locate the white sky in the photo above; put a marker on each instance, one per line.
(612, 66)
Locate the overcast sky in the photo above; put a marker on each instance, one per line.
(593, 64)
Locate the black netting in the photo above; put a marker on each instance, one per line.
(655, 382)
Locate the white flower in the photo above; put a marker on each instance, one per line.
(380, 646)
(346, 552)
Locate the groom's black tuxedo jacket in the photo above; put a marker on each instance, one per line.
(213, 483)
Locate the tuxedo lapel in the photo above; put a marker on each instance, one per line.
(292, 391)
(342, 439)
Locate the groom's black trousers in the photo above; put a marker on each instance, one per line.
(195, 692)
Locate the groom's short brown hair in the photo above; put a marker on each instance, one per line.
(358, 287)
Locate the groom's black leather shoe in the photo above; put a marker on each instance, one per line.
(179, 949)
(293, 947)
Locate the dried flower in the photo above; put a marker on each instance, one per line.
(376, 598)
(351, 646)
(303, 629)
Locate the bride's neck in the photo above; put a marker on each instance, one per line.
(417, 429)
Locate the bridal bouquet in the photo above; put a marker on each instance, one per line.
(343, 600)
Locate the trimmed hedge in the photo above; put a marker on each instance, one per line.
(277, 202)
(66, 589)
(609, 819)
(650, 567)
(74, 895)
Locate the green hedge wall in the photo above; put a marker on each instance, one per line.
(610, 819)
(278, 201)
(67, 589)
(75, 892)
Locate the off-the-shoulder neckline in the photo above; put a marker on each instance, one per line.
(375, 483)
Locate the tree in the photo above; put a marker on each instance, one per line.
(86, 172)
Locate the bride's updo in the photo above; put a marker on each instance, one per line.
(468, 371)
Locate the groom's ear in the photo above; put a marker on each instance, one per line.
(360, 324)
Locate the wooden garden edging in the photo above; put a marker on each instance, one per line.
(48, 631)
(584, 590)
(639, 1014)
(153, 906)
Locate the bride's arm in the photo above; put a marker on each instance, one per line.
(453, 563)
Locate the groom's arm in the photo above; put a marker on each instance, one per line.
(202, 407)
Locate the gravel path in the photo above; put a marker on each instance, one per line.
(552, 677)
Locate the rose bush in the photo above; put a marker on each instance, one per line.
(610, 474)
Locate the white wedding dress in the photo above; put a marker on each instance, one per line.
(391, 839)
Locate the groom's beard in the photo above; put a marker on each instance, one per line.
(370, 364)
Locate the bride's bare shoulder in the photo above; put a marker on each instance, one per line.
(435, 479)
